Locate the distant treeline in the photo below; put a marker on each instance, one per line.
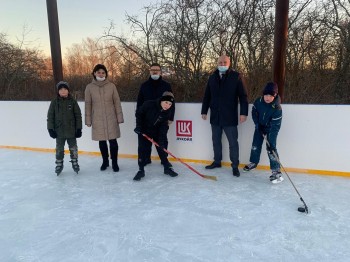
(186, 37)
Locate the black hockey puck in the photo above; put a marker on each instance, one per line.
(301, 209)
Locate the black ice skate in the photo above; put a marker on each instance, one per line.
(59, 167)
(75, 165)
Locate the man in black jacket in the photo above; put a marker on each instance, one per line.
(153, 89)
(225, 89)
(152, 119)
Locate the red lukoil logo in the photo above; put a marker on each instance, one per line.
(184, 128)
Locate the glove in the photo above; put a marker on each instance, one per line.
(137, 130)
(52, 133)
(260, 128)
(78, 133)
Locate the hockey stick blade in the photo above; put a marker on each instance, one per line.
(304, 209)
(210, 177)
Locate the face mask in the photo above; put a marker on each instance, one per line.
(100, 78)
(222, 69)
(155, 77)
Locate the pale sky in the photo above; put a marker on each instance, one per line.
(77, 19)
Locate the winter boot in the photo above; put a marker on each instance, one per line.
(104, 153)
(140, 174)
(235, 172)
(115, 165)
(114, 154)
(75, 165)
(276, 177)
(249, 167)
(59, 167)
(169, 171)
(104, 165)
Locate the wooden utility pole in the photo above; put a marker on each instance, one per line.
(280, 45)
(55, 43)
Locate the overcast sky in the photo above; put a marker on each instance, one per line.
(77, 19)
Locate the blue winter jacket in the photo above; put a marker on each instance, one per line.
(267, 117)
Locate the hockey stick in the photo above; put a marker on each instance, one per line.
(178, 159)
(304, 209)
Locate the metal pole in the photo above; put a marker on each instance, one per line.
(54, 31)
(280, 44)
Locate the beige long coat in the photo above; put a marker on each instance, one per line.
(103, 110)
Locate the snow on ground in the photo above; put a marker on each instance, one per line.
(106, 216)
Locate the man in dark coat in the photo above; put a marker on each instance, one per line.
(225, 89)
(153, 89)
(152, 119)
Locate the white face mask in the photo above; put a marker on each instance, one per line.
(155, 77)
(222, 69)
(100, 78)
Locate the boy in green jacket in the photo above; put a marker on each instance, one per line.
(64, 123)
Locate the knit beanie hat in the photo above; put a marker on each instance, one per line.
(62, 84)
(167, 96)
(271, 89)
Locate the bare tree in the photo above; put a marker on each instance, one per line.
(20, 69)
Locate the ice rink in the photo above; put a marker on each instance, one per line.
(106, 216)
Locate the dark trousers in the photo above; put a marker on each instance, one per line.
(255, 152)
(231, 133)
(148, 151)
(144, 147)
(113, 146)
(72, 144)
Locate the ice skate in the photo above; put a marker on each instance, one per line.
(59, 167)
(75, 165)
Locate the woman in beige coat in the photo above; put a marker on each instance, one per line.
(103, 112)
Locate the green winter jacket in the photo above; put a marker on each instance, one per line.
(64, 117)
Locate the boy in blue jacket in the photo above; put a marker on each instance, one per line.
(267, 117)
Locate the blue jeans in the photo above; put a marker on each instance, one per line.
(255, 152)
(232, 136)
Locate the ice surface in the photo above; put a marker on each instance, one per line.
(106, 216)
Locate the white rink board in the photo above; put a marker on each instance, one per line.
(311, 137)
